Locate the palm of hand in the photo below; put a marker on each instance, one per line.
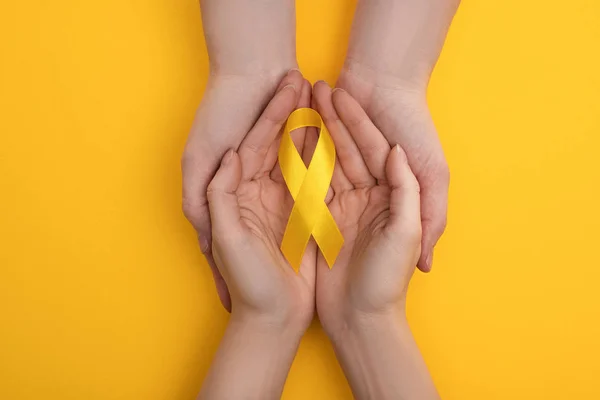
(376, 207)
(356, 282)
(264, 205)
(250, 205)
(216, 129)
(362, 213)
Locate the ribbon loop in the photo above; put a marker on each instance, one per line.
(308, 187)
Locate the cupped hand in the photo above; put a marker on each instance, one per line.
(404, 118)
(231, 105)
(393, 48)
(249, 207)
(376, 205)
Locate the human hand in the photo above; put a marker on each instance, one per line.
(249, 207)
(361, 300)
(246, 66)
(229, 108)
(272, 305)
(393, 48)
(376, 206)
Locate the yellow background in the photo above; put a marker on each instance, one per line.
(104, 294)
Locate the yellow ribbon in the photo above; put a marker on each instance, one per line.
(308, 187)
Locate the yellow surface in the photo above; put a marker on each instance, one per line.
(103, 292)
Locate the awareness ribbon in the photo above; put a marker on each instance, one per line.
(308, 187)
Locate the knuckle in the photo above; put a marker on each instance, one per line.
(357, 122)
(212, 193)
(370, 150)
(187, 160)
(442, 224)
(414, 234)
(193, 211)
(435, 227)
(255, 148)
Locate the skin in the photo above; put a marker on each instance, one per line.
(361, 300)
(393, 48)
(247, 65)
(272, 305)
(376, 203)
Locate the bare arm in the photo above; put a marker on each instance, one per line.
(361, 300)
(393, 48)
(252, 362)
(251, 47)
(381, 359)
(248, 37)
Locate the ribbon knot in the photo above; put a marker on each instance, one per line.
(308, 187)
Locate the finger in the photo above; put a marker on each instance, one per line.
(405, 204)
(304, 102)
(195, 208)
(255, 146)
(272, 158)
(351, 160)
(373, 146)
(224, 213)
(339, 182)
(293, 77)
(434, 207)
(308, 265)
(220, 284)
(298, 136)
(222, 199)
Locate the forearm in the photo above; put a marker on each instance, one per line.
(399, 39)
(381, 359)
(252, 362)
(250, 36)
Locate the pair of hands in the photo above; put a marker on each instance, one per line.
(393, 48)
(374, 199)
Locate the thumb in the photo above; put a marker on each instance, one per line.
(222, 197)
(405, 204)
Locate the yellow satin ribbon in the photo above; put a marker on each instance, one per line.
(308, 187)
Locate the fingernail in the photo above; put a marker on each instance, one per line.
(401, 153)
(293, 69)
(321, 80)
(337, 89)
(227, 158)
(291, 85)
(204, 246)
(429, 260)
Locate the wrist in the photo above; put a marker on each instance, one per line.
(353, 315)
(410, 85)
(256, 355)
(262, 325)
(258, 84)
(257, 70)
(379, 357)
(358, 326)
